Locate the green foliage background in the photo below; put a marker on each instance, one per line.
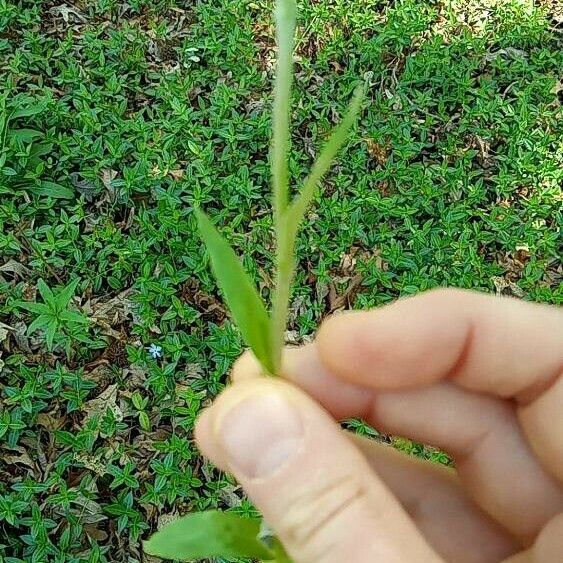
(122, 116)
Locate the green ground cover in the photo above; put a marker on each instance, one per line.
(116, 118)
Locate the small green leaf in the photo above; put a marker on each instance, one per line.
(24, 135)
(28, 112)
(144, 421)
(51, 189)
(39, 308)
(50, 334)
(240, 294)
(40, 322)
(209, 534)
(297, 209)
(45, 292)
(66, 294)
(73, 317)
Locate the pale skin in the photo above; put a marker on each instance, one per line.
(480, 377)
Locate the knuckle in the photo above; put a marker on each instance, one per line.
(312, 521)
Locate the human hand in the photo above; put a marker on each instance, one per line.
(478, 376)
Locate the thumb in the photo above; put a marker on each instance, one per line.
(312, 484)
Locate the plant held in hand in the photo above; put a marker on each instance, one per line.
(215, 533)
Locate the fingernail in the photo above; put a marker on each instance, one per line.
(261, 434)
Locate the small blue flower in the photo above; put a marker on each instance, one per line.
(155, 351)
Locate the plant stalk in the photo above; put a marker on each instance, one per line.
(285, 14)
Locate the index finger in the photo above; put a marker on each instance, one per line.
(499, 346)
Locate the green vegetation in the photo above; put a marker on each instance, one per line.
(117, 119)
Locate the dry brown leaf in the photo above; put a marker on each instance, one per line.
(95, 533)
(377, 151)
(177, 174)
(21, 458)
(345, 299)
(16, 268)
(108, 176)
(506, 287)
(165, 519)
(105, 400)
(92, 463)
(99, 374)
(50, 422)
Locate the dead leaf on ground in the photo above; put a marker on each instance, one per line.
(506, 287)
(50, 422)
(94, 464)
(165, 519)
(134, 376)
(346, 298)
(21, 458)
(16, 268)
(108, 176)
(379, 152)
(194, 371)
(228, 494)
(105, 400)
(95, 533)
(3, 332)
(20, 336)
(99, 374)
(68, 14)
(111, 314)
(177, 174)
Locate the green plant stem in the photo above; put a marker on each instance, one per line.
(288, 225)
(285, 29)
(284, 276)
(297, 209)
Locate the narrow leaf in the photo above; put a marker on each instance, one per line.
(299, 205)
(28, 111)
(50, 334)
(74, 317)
(285, 13)
(46, 293)
(39, 308)
(24, 135)
(51, 189)
(209, 534)
(66, 294)
(40, 322)
(240, 294)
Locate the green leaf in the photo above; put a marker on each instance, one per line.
(73, 317)
(27, 112)
(40, 322)
(52, 189)
(209, 534)
(280, 553)
(46, 293)
(50, 334)
(39, 308)
(285, 13)
(144, 421)
(24, 135)
(66, 294)
(299, 205)
(240, 294)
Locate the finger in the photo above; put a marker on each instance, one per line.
(430, 494)
(435, 500)
(548, 548)
(502, 347)
(313, 486)
(492, 457)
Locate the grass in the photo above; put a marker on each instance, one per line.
(126, 115)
